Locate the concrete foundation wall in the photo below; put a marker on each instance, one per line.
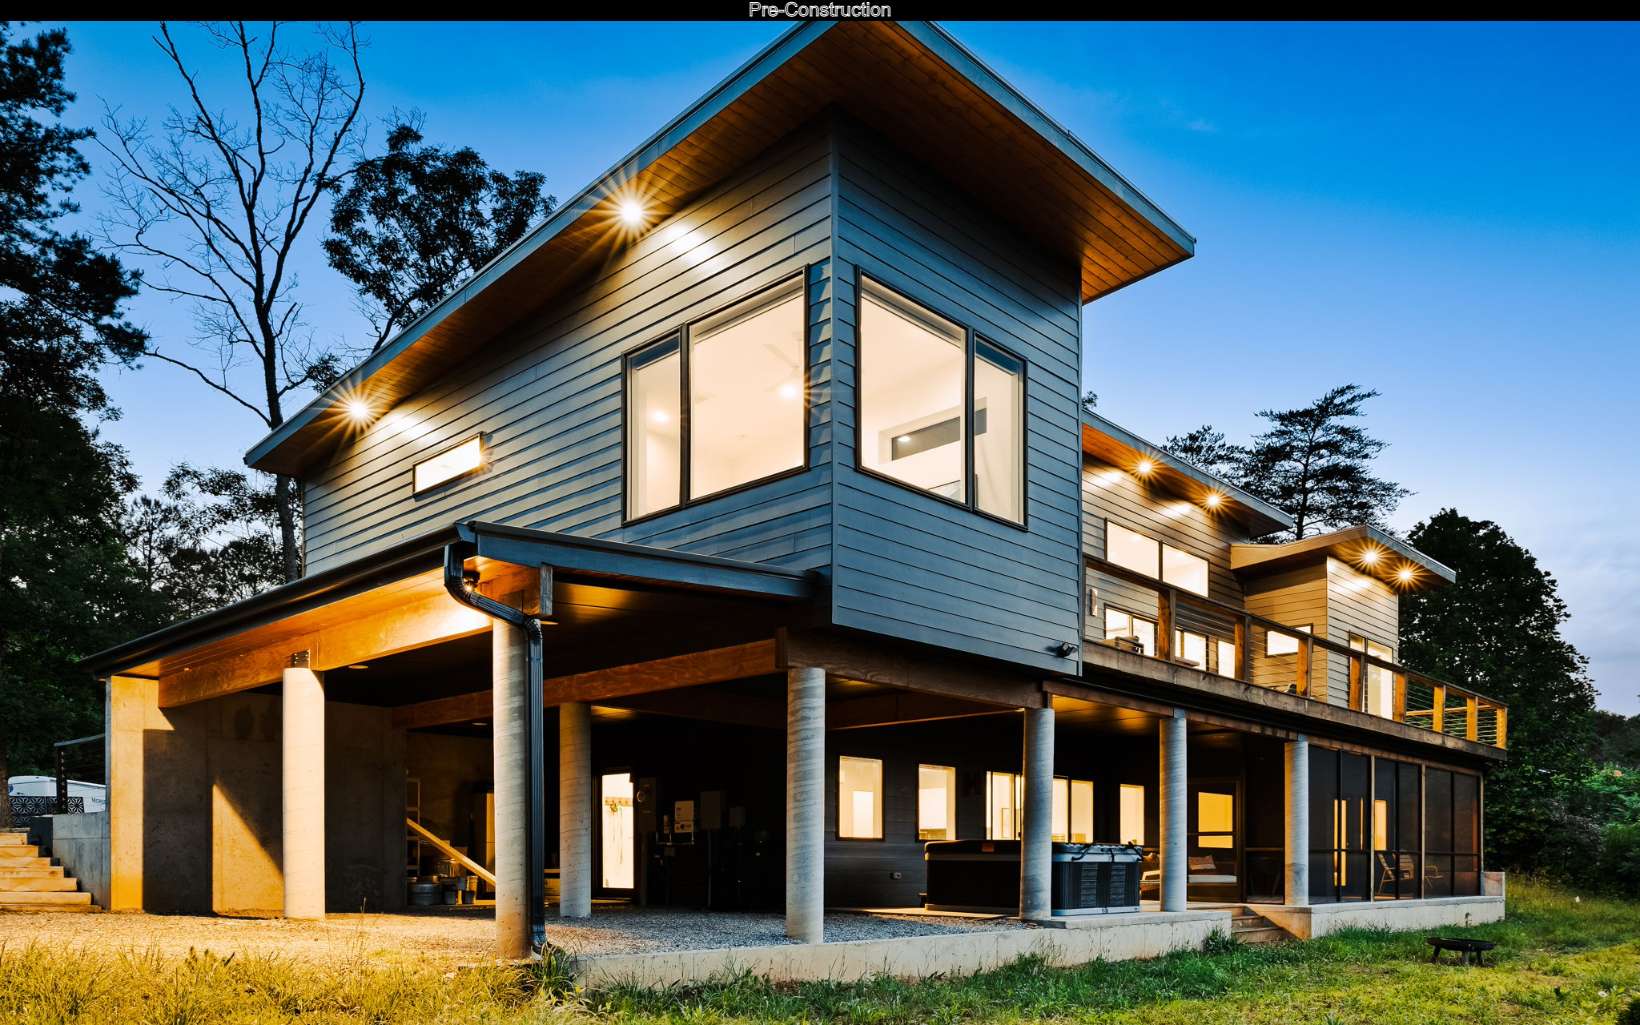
(364, 809)
(80, 844)
(1321, 919)
(1114, 938)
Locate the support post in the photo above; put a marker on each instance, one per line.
(575, 810)
(129, 701)
(1036, 833)
(1175, 809)
(805, 803)
(1297, 860)
(303, 775)
(509, 690)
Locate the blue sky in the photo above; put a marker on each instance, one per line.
(1449, 214)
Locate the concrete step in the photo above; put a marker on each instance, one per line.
(11, 839)
(1268, 934)
(44, 867)
(45, 899)
(36, 884)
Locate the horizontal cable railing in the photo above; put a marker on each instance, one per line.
(1277, 656)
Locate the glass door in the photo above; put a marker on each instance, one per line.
(617, 833)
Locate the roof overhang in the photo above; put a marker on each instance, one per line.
(393, 586)
(1122, 448)
(1365, 548)
(911, 82)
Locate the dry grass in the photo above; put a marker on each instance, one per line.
(1560, 961)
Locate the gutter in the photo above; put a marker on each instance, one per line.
(461, 588)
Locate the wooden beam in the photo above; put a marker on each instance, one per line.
(899, 707)
(334, 642)
(906, 668)
(718, 665)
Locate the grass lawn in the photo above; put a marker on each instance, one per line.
(1559, 961)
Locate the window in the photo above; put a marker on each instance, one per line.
(1133, 550)
(999, 432)
(746, 392)
(1181, 569)
(919, 416)
(1126, 624)
(936, 802)
(1395, 831)
(1278, 643)
(1380, 682)
(1131, 814)
(1004, 795)
(1226, 664)
(744, 382)
(1451, 834)
(458, 461)
(1215, 820)
(1190, 647)
(1340, 864)
(1072, 810)
(859, 798)
(654, 429)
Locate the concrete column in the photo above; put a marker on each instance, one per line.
(1297, 860)
(575, 799)
(1036, 829)
(129, 701)
(510, 692)
(806, 804)
(302, 805)
(1175, 812)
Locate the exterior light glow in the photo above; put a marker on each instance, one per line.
(1369, 557)
(1145, 468)
(1213, 500)
(788, 391)
(631, 213)
(1404, 574)
(357, 410)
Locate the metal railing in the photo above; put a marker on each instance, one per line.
(1415, 699)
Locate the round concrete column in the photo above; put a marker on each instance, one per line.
(1297, 765)
(1175, 812)
(510, 694)
(302, 790)
(1036, 829)
(575, 810)
(805, 804)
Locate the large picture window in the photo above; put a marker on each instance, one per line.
(940, 410)
(1132, 550)
(936, 802)
(718, 406)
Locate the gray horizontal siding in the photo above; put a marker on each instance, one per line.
(547, 395)
(910, 565)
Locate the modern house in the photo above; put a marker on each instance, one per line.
(741, 530)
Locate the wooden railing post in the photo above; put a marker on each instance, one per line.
(1167, 608)
(1244, 649)
(1503, 726)
(1305, 650)
(1357, 671)
(1437, 715)
(1400, 710)
(1472, 726)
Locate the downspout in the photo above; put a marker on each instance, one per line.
(462, 590)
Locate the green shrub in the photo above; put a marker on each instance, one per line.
(1631, 1016)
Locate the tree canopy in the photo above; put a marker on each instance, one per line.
(418, 220)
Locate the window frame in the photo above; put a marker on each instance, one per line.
(1162, 548)
(679, 334)
(1110, 607)
(882, 800)
(971, 338)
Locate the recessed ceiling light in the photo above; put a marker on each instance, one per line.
(1144, 468)
(631, 212)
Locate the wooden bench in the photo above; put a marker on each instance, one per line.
(1473, 951)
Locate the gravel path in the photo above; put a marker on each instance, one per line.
(456, 936)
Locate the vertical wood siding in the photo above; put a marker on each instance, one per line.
(548, 394)
(910, 565)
